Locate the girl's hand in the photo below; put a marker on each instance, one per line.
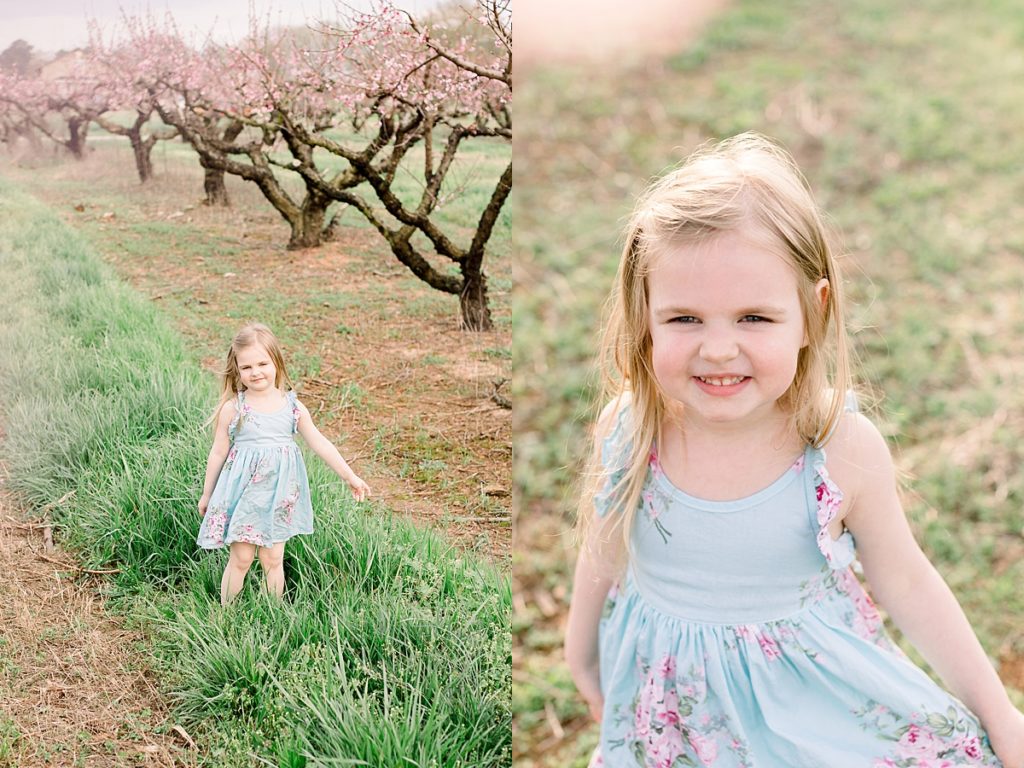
(204, 502)
(1007, 740)
(360, 490)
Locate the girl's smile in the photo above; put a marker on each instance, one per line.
(726, 327)
(256, 368)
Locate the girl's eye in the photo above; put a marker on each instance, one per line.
(684, 319)
(754, 319)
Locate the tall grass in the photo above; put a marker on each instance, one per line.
(389, 649)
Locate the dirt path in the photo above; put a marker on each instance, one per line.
(72, 689)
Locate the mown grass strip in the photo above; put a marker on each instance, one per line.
(390, 649)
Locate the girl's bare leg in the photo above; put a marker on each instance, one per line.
(272, 560)
(242, 555)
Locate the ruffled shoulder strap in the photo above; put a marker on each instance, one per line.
(236, 419)
(293, 401)
(615, 449)
(839, 553)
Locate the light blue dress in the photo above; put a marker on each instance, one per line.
(740, 637)
(262, 494)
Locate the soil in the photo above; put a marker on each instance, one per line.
(73, 689)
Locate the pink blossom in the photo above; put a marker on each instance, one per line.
(706, 748)
(970, 746)
(655, 462)
(769, 647)
(665, 748)
(829, 501)
(668, 712)
(652, 511)
(667, 667)
(918, 742)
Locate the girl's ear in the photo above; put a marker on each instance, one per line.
(821, 290)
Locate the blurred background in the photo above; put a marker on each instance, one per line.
(905, 117)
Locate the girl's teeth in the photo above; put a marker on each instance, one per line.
(721, 382)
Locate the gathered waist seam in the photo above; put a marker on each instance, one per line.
(632, 587)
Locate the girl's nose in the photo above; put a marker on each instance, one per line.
(719, 348)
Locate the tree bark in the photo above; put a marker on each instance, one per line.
(77, 130)
(476, 312)
(308, 226)
(142, 149)
(213, 178)
(213, 186)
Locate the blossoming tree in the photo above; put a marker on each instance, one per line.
(359, 113)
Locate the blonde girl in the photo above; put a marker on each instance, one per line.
(256, 494)
(716, 617)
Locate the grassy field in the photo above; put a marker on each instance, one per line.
(905, 119)
(392, 646)
(375, 353)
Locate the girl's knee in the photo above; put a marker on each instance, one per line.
(272, 558)
(242, 555)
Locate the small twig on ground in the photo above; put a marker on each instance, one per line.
(184, 735)
(499, 398)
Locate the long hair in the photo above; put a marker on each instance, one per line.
(231, 378)
(746, 182)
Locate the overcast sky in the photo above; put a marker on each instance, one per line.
(50, 25)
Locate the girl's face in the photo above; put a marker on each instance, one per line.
(256, 368)
(726, 328)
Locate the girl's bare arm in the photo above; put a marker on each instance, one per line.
(218, 453)
(326, 450)
(906, 584)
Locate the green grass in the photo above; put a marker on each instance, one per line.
(905, 119)
(391, 648)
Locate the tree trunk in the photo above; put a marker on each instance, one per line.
(77, 129)
(142, 149)
(476, 314)
(308, 227)
(213, 185)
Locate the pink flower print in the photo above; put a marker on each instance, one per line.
(886, 763)
(652, 511)
(655, 462)
(798, 465)
(970, 747)
(918, 742)
(667, 667)
(769, 647)
(665, 749)
(706, 749)
(829, 500)
(743, 630)
(668, 712)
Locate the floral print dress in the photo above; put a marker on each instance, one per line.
(262, 494)
(740, 637)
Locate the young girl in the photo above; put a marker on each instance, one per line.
(261, 496)
(716, 619)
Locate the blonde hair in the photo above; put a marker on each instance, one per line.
(743, 182)
(230, 376)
